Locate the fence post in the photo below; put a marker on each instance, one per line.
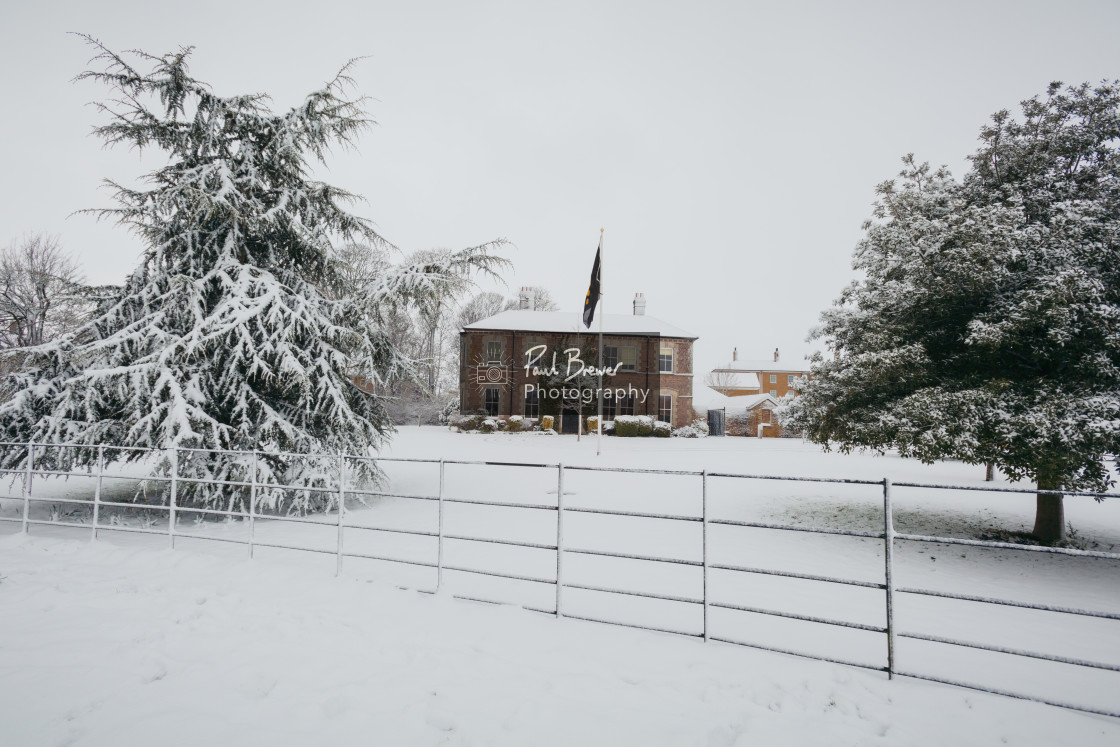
(704, 540)
(888, 548)
(252, 502)
(439, 536)
(559, 538)
(341, 508)
(27, 484)
(97, 488)
(174, 494)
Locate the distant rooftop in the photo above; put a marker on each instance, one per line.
(521, 320)
(764, 365)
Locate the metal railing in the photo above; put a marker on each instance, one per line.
(889, 537)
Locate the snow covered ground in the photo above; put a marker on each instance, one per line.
(125, 642)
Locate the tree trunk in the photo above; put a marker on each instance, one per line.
(990, 472)
(1049, 517)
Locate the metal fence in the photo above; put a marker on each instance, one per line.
(889, 537)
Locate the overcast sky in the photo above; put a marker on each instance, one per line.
(730, 150)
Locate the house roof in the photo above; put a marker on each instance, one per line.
(522, 320)
(763, 365)
(739, 380)
(706, 398)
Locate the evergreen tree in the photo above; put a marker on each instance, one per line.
(985, 327)
(240, 328)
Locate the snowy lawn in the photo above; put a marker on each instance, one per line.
(559, 681)
(104, 645)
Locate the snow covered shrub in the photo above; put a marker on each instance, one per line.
(466, 423)
(686, 431)
(626, 426)
(547, 423)
(516, 422)
(608, 427)
(238, 330)
(661, 429)
(593, 424)
(701, 426)
(489, 425)
(645, 425)
(449, 409)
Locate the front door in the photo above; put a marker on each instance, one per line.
(569, 422)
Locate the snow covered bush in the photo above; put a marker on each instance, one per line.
(450, 409)
(661, 429)
(626, 426)
(645, 425)
(547, 423)
(697, 429)
(236, 331)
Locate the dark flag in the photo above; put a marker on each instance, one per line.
(592, 299)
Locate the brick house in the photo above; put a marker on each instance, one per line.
(739, 378)
(514, 363)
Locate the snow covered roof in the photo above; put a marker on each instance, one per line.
(706, 398)
(521, 320)
(764, 365)
(739, 380)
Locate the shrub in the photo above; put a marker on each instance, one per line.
(698, 429)
(645, 425)
(449, 412)
(593, 424)
(608, 426)
(701, 426)
(466, 422)
(546, 423)
(626, 426)
(662, 429)
(516, 423)
(489, 426)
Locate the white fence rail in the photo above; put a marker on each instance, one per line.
(443, 497)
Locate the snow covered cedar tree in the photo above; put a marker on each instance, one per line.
(987, 325)
(238, 329)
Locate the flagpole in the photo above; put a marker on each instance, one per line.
(599, 420)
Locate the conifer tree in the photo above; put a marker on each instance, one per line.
(239, 329)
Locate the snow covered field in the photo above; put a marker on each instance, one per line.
(124, 642)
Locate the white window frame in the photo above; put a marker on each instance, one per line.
(631, 367)
(660, 397)
(773, 378)
(628, 399)
(491, 360)
(671, 354)
(497, 401)
(525, 403)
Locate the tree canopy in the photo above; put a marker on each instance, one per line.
(985, 325)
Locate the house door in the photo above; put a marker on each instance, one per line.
(569, 421)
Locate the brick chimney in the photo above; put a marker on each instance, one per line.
(775, 355)
(735, 355)
(639, 304)
(525, 299)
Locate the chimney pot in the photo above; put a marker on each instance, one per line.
(525, 299)
(639, 304)
(735, 355)
(775, 355)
